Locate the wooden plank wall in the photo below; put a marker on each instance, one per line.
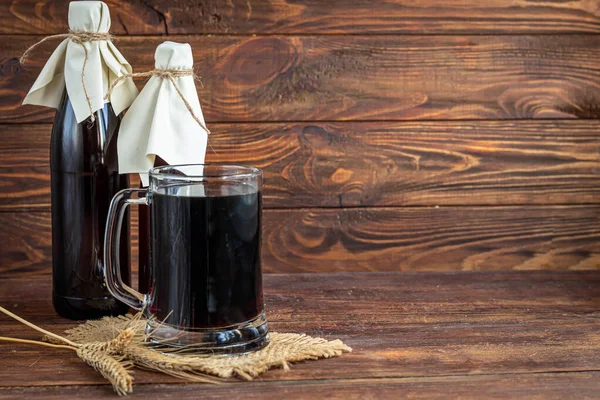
(416, 135)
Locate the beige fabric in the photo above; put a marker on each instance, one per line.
(165, 120)
(103, 65)
(169, 74)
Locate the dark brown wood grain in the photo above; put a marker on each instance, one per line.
(306, 78)
(395, 136)
(26, 243)
(370, 164)
(537, 330)
(444, 238)
(545, 385)
(378, 239)
(316, 16)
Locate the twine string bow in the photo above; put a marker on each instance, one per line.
(79, 37)
(169, 74)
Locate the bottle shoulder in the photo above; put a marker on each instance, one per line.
(85, 146)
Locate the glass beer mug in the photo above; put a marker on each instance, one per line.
(205, 268)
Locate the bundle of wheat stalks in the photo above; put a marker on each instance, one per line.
(114, 345)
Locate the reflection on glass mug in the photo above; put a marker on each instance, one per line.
(205, 267)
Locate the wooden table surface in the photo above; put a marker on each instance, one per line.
(422, 335)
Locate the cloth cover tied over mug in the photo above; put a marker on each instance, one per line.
(104, 65)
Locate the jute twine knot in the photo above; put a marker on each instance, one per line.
(169, 74)
(79, 37)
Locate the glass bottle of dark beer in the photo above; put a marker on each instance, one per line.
(83, 158)
(84, 178)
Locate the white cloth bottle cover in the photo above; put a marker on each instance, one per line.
(158, 123)
(64, 68)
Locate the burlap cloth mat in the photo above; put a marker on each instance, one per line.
(113, 345)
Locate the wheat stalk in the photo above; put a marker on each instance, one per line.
(112, 346)
(113, 369)
(97, 354)
(155, 361)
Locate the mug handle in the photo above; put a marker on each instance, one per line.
(112, 240)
